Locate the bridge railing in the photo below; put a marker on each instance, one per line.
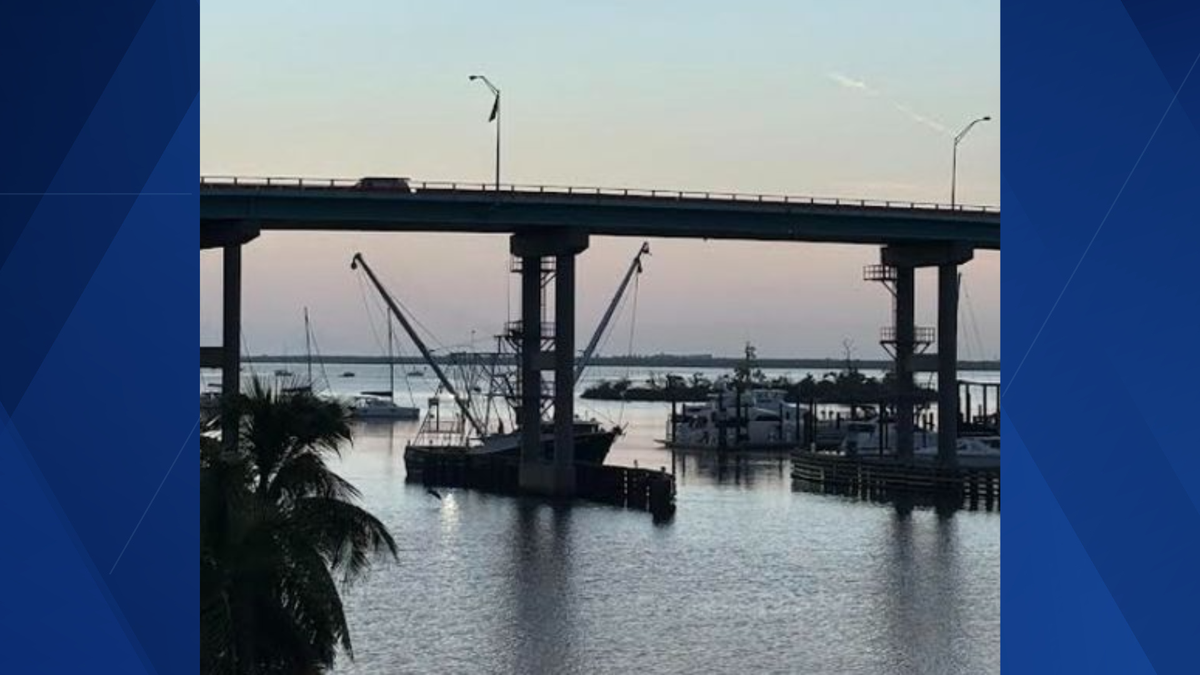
(218, 182)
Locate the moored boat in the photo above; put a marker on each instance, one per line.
(380, 408)
(592, 444)
(863, 439)
(869, 437)
(754, 419)
(971, 451)
(381, 405)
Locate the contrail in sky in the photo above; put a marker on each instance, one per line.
(859, 85)
(851, 83)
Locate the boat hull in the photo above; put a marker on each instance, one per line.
(402, 414)
(590, 448)
(786, 446)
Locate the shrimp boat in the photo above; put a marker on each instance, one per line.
(461, 430)
(442, 434)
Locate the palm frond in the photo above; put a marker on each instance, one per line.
(347, 535)
(306, 474)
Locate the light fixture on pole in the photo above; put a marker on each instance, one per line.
(495, 116)
(954, 161)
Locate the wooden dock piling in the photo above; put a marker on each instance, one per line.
(623, 487)
(887, 478)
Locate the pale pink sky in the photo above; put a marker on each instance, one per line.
(705, 297)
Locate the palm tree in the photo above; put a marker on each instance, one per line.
(276, 527)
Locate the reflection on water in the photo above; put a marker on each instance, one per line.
(545, 623)
(733, 470)
(751, 576)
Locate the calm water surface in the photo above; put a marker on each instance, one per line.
(750, 577)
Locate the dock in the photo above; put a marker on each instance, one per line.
(619, 486)
(886, 478)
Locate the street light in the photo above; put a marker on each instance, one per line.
(954, 163)
(494, 116)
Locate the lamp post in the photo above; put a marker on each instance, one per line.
(954, 162)
(495, 116)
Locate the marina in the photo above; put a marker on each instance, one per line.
(641, 435)
(580, 575)
(870, 437)
(750, 559)
(814, 497)
(745, 412)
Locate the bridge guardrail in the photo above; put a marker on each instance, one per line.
(216, 182)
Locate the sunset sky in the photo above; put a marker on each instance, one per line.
(853, 99)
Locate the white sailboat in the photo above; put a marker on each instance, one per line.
(307, 383)
(381, 405)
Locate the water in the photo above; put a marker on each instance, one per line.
(751, 576)
(416, 390)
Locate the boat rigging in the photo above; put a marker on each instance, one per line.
(635, 267)
(358, 261)
(468, 434)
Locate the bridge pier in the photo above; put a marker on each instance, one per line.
(903, 261)
(547, 473)
(231, 330)
(905, 322)
(229, 236)
(947, 364)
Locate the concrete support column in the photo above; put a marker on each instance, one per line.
(564, 373)
(231, 327)
(548, 471)
(530, 420)
(905, 344)
(947, 364)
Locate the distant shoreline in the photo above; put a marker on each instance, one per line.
(655, 361)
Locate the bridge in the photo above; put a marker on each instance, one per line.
(550, 225)
(238, 208)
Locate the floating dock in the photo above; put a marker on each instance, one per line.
(620, 486)
(888, 479)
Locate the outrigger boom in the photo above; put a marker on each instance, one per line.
(635, 267)
(412, 334)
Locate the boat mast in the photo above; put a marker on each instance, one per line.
(308, 346)
(391, 362)
(412, 334)
(487, 411)
(634, 267)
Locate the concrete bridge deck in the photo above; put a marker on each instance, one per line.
(261, 204)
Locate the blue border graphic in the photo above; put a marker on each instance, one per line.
(1101, 191)
(99, 279)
